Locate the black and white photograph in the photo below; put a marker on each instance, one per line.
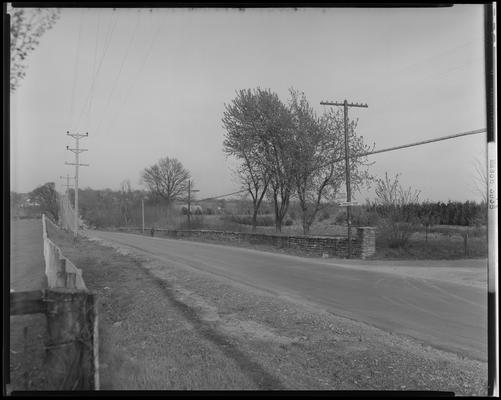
(250, 199)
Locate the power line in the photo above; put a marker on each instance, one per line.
(72, 106)
(114, 87)
(474, 132)
(135, 79)
(222, 195)
(88, 101)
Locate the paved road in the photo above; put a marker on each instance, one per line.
(27, 268)
(446, 315)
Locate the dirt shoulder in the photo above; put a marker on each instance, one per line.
(169, 327)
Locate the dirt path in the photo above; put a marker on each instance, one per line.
(165, 327)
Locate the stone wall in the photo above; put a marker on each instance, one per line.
(363, 243)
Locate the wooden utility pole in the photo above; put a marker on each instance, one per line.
(345, 105)
(189, 202)
(142, 207)
(77, 150)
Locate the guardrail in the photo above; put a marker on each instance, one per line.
(72, 356)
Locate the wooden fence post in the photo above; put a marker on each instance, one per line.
(70, 349)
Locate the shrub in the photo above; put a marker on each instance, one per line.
(262, 220)
(289, 222)
(395, 233)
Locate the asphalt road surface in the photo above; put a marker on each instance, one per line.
(445, 315)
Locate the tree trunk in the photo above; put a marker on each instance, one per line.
(278, 225)
(306, 229)
(254, 220)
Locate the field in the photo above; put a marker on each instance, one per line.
(440, 242)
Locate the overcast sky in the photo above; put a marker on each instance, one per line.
(146, 85)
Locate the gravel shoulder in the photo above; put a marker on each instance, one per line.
(170, 327)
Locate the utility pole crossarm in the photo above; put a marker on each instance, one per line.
(76, 150)
(77, 135)
(328, 103)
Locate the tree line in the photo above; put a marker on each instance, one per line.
(466, 213)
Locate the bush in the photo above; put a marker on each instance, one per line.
(289, 222)
(395, 234)
(262, 220)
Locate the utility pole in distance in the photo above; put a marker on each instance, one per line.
(77, 150)
(345, 105)
(67, 177)
(189, 202)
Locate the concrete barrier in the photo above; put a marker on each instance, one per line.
(72, 349)
(60, 271)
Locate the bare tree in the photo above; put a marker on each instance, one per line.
(392, 204)
(27, 27)
(390, 192)
(167, 179)
(47, 198)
